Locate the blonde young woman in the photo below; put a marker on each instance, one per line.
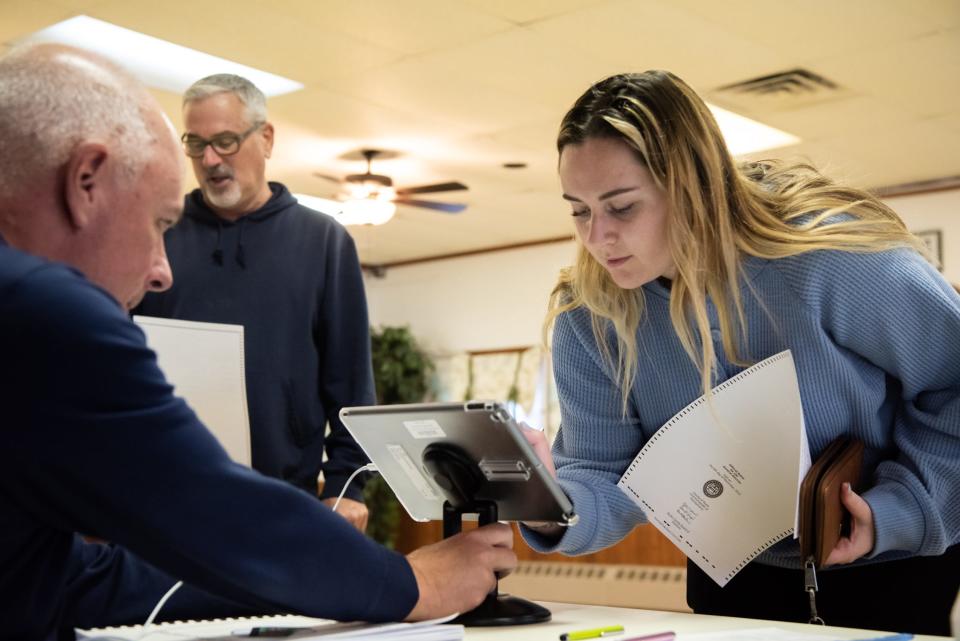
(689, 269)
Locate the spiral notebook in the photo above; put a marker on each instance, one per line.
(294, 628)
(721, 478)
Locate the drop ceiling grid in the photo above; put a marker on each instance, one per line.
(933, 153)
(457, 101)
(531, 11)
(464, 86)
(342, 117)
(199, 25)
(521, 63)
(838, 118)
(638, 35)
(919, 75)
(20, 17)
(410, 27)
(817, 28)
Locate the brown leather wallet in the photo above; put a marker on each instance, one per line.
(822, 515)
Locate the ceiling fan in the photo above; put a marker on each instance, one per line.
(369, 186)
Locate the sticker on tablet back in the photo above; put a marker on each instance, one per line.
(428, 428)
(412, 472)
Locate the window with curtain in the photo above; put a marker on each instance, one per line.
(520, 376)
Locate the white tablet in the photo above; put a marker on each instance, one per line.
(395, 438)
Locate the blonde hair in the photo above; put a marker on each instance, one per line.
(718, 213)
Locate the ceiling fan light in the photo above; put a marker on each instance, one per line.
(369, 190)
(367, 211)
(355, 191)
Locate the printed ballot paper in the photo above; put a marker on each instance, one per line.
(721, 478)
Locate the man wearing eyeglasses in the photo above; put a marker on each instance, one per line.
(247, 253)
(92, 437)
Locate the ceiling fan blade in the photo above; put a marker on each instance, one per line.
(335, 179)
(450, 208)
(431, 189)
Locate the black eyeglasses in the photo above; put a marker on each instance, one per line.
(225, 144)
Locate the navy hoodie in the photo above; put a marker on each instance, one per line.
(291, 277)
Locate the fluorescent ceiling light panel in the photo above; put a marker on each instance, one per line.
(744, 136)
(157, 63)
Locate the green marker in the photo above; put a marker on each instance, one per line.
(595, 633)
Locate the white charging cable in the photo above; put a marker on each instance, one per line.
(145, 630)
(369, 467)
(156, 610)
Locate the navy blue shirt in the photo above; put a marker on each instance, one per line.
(93, 440)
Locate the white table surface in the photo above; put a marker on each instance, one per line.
(568, 617)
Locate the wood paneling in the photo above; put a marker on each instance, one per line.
(644, 546)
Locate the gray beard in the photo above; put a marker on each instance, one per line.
(223, 199)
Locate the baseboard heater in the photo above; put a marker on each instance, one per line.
(650, 587)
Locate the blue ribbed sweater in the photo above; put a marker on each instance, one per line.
(876, 342)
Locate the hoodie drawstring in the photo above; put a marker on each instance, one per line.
(217, 254)
(241, 257)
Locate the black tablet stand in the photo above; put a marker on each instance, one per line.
(460, 477)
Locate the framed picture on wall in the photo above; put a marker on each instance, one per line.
(933, 238)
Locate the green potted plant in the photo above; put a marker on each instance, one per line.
(401, 373)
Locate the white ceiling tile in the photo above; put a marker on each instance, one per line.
(274, 41)
(533, 215)
(815, 28)
(410, 27)
(461, 87)
(869, 159)
(645, 34)
(949, 121)
(919, 75)
(909, 153)
(19, 18)
(196, 25)
(837, 118)
(457, 101)
(530, 11)
(335, 116)
(537, 137)
(934, 15)
(524, 62)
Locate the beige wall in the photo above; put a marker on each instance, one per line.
(498, 300)
(936, 210)
(487, 301)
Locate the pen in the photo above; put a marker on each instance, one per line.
(659, 636)
(903, 636)
(592, 634)
(266, 631)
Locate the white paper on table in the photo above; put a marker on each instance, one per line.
(205, 364)
(305, 629)
(725, 491)
(758, 634)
